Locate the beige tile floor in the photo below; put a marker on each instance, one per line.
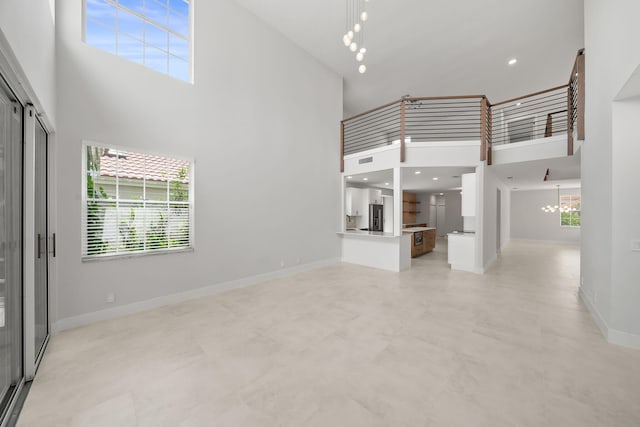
(352, 346)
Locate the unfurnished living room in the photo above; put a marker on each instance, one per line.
(319, 213)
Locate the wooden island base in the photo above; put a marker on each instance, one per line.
(423, 240)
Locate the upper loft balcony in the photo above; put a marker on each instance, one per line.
(467, 130)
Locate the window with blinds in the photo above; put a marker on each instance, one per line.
(153, 33)
(135, 203)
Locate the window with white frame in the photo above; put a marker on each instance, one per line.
(153, 33)
(570, 210)
(135, 202)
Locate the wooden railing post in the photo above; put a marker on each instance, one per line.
(341, 146)
(570, 120)
(402, 131)
(490, 134)
(580, 87)
(483, 129)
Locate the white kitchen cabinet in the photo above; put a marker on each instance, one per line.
(462, 251)
(375, 196)
(355, 201)
(387, 214)
(469, 194)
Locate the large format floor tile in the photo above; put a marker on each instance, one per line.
(353, 346)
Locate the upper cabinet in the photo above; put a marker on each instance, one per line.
(469, 194)
(358, 200)
(375, 196)
(354, 201)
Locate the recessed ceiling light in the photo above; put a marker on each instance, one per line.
(435, 178)
(349, 177)
(442, 194)
(518, 104)
(386, 183)
(418, 172)
(365, 179)
(513, 61)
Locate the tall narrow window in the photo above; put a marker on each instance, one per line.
(135, 203)
(570, 215)
(154, 33)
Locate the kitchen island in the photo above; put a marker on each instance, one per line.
(423, 240)
(376, 249)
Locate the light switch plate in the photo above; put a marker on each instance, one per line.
(635, 245)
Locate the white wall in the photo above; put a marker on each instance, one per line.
(29, 30)
(625, 308)
(261, 122)
(452, 201)
(609, 172)
(529, 222)
(489, 184)
(424, 208)
(453, 211)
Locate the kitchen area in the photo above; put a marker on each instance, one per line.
(434, 208)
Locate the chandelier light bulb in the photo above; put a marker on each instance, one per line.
(364, 16)
(353, 47)
(363, 50)
(357, 28)
(346, 40)
(362, 69)
(350, 34)
(359, 57)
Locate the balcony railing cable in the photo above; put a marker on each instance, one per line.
(409, 120)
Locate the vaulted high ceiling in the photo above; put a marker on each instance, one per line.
(437, 47)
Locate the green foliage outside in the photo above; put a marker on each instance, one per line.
(570, 219)
(95, 209)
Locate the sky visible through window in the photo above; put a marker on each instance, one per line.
(153, 33)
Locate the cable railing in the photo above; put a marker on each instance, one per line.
(539, 115)
(411, 120)
(544, 114)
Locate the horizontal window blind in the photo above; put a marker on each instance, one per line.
(135, 203)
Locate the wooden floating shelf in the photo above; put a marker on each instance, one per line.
(411, 212)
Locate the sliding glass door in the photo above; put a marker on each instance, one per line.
(11, 325)
(41, 293)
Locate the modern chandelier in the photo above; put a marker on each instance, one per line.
(558, 206)
(353, 38)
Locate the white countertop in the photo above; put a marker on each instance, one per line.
(416, 229)
(463, 234)
(360, 233)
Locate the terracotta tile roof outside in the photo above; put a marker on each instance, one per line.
(134, 165)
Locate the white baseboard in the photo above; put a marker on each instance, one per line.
(613, 336)
(602, 325)
(624, 339)
(468, 269)
(137, 307)
(548, 242)
(488, 265)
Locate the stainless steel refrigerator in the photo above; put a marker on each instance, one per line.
(375, 218)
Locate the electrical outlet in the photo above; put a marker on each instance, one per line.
(111, 297)
(635, 245)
